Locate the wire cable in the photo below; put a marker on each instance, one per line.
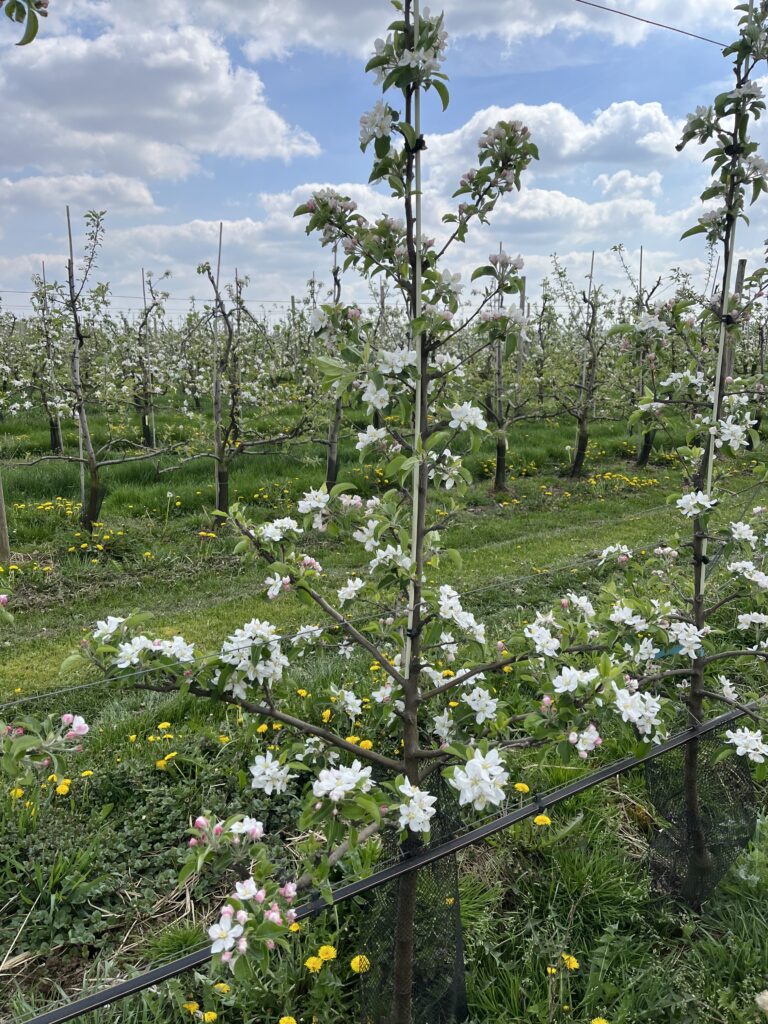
(649, 21)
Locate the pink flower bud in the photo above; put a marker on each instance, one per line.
(573, 737)
(290, 916)
(583, 755)
(546, 701)
(260, 896)
(227, 910)
(499, 645)
(193, 841)
(729, 380)
(201, 822)
(3, 600)
(226, 957)
(67, 719)
(288, 891)
(218, 829)
(270, 944)
(242, 916)
(623, 559)
(565, 603)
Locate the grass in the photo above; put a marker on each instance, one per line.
(110, 852)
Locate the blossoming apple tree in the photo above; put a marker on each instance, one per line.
(449, 698)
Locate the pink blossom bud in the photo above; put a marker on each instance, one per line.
(67, 719)
(201, 822)
(226, 957)
(193, 841)
(729, 380)
(260, 896)
(290, 916)
(546, 701)
(218, 829)
(573, 737)
(3, 600)
(318, 805)
(583, 755)
(242, 916)
(270, 944)
(227, 910)
(622, 559)
(565, 603)
(288, 891)
(499, 645)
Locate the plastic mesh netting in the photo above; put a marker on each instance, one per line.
(710, 813)
(439, 992)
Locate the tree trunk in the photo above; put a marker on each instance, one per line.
(332, 454)
(646, 447)
(581, 447)
(147, 434)
(500, 478)
(92, 509)
(222, 487)
(57, 443)
(5, 541)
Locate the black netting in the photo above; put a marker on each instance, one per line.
(438, 991)
(710, 813)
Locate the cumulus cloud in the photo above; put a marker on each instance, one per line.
(152, 103)
(625, 183)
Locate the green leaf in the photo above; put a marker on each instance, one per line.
(486, 271)
(698, 230)
(31, 29)
(340, 488)
(442, 92)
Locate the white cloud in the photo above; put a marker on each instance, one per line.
(625, 183)
(83, 191)
(152, 103)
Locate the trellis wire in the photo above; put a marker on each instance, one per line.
(537, 804)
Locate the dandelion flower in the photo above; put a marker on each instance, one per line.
(191, 1006)
(551, 970)
(210, 1016)
(360, 964)
(521, 787)
(287, 1020)
(542, 819)
(570, 962)
(313, 964)
(223, 987)
(327, 952)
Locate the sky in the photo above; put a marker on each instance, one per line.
(176, 116)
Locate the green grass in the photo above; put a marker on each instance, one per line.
(527, 897)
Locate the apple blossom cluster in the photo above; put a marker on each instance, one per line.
(450, 610)
(749, 743)
(418, 811)
(338, 783)
(481, 781)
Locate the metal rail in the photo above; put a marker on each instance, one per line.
(537, 804)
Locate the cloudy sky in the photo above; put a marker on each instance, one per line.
(206, 111)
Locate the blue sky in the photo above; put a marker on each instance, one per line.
(176, 120)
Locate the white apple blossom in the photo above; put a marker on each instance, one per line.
(465, 416)
(313, 501)
(338, 783)
(106, 628)
(224, 934)
(481, 781)
(419, 809)
(568, 680)
(269, 775)
(276, 584)
(543, 640)
(350, 590)
(749, 743)
(695, 503)
(481, 703)
(371, 435)
(641, 709)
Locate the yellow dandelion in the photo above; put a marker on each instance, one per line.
(262, 728)
(521, 787)
(295, 927)
(366, 745)
(16, 793)
(287, 1020)
(210, 1016)
(163, 726)
(223, 987)
(542, 819)
(326, 715)
(327, 952)
(313, 964)
(570, 962)
(551, 971)
(63, 788)
(360, 964)
(223, 739)
(191, 1006)
(86, 774)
